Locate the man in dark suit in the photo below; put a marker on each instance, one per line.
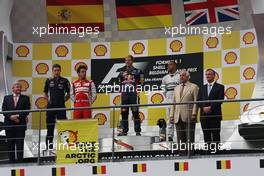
(211, 113)
(16, 123)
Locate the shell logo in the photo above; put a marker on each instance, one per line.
(141, 116)
(249, 73)
(41, 102)
(212, 42)
(231, 93)
(62, 51)
(176, 46)
(22, 51)
(245, 108)
(101, 118)
(24, 85)
(68, 137)
(138, 48)
(231, 57)
(117, 100)
(216, 76)
(42, 68)
(100, 50)
(79, 64)
(157, 98)
(249, 38)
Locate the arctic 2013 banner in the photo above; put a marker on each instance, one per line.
(105, 71)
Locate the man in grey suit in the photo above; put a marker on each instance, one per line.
(184, 116)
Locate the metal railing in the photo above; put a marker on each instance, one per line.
(113, 152)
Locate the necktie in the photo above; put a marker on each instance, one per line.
(15, 100)
(181, 92)
(209, 88)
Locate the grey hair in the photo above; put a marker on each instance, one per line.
(16, 83)
(185, 71)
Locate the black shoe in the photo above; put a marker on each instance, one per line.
(170, 139)
(122, 134)
(138, 134)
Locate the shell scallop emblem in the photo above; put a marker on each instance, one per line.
(101, 118)
(231, 93)
(176, 46)
(117, 100)
(157, 98)
(61, 51)
(24, 85)
(249, 73)
(79, 64)
(42, 68)
(141, 116)
(249, 38)
(41, 102)
(212, 42)
(231, 57)
(245, 108)
(216, 76)
(100, 50)
(138, 48)
(22, 51)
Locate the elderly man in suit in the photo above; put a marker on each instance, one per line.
(16, 123)
(184, 116)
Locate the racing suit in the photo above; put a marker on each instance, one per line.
(129, 78)
(84, 95)
(169, 82)
(56, 88)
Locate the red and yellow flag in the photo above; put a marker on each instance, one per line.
(76, 13)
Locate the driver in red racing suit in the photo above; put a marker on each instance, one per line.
(84, 92)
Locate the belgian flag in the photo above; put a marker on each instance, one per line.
(99, 170)
(143, 14)
(17, 172)
(58, 171)
(223, 165)
(75, 13)
(261, 163)
(181, 166)
(139, 167)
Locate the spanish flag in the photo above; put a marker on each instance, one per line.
(58, 171)
(139, 168)
(181, 166)
(143, 14)
(76, 13)
(17, 172)
(99, 170)
(223, 165)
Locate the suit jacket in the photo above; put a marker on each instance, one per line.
(216, 93)
(22, 104)
(185, 111)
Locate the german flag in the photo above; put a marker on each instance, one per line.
(76, 13)
(58, 171)
(223, 165)
(17, 172)
(143, 14)
(261, 163)
(181, 166)
(99, 170)
(139, 167)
